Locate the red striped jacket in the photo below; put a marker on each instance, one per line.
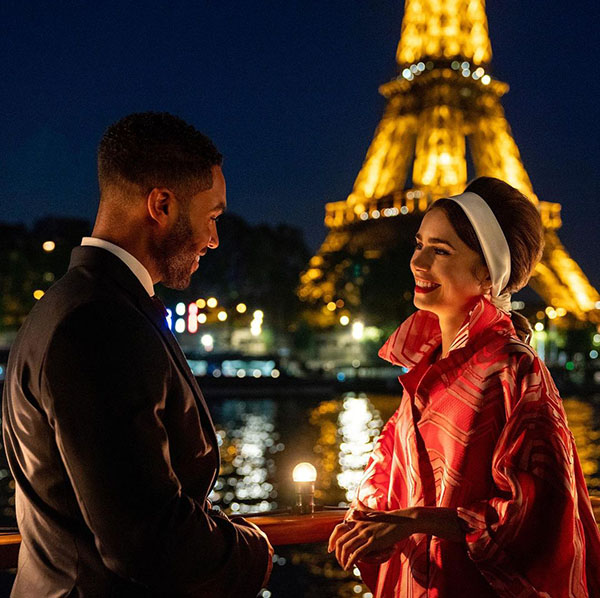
(482, 431)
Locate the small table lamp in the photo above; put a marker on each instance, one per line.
(304, 476)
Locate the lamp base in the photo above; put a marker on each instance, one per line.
(305, 498)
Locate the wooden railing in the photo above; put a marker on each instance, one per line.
(299, 529)
(281, 529)
(9, 549)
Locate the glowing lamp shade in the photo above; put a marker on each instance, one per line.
(304, 472)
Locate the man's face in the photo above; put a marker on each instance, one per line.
(192, 235)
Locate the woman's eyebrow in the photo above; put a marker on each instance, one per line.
(435, 240)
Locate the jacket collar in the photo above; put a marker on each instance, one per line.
(418, 336)
(140, 271)
(102, 259)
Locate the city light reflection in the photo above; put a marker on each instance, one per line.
(359, 424)
(585, 424)
(248, 441)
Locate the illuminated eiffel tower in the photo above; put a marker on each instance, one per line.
(443, 97)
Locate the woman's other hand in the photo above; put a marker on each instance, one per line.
(359, 538)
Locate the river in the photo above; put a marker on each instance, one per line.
(262, 439)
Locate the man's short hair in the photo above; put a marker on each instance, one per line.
(156, 149)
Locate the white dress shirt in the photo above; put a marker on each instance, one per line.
(132, 263)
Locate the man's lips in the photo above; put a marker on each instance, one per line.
(196, 262)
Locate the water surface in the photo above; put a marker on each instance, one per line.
(261, 440)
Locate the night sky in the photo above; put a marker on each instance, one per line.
(287, 90)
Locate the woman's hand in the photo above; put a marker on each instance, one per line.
(358, 538)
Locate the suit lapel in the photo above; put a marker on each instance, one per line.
(161, 325)
(159, 322)
(118, 271)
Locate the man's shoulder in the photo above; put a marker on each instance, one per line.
(98, 306)
(83, 303)
(80, 289)
(81, 285)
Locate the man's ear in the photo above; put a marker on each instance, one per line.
(160, 204)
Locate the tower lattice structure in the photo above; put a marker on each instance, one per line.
(443, 99)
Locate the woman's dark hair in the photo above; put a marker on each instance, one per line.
(521, 224)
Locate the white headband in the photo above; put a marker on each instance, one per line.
(493, 244)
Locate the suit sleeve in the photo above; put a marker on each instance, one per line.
(535, 533)
(107, 379)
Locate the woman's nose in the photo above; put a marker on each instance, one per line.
(419, 261)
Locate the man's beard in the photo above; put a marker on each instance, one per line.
(175, 255)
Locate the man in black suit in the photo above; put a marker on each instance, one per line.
(107, 434)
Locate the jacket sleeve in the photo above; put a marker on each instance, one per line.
(529, 538)
(107, 379)
(374, 486)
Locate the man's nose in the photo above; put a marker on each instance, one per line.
(213, 242)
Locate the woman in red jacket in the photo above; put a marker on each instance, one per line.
(474, 487)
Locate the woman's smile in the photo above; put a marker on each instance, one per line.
(425, 286)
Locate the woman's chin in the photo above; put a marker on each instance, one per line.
(423, 302)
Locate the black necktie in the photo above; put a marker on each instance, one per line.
(160, 306)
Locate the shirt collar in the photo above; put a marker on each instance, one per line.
(419, 335)
(131, 262)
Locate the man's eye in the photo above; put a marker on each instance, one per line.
(215, 218)
(418, 245)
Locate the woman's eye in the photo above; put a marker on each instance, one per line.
(215, 218)
(436, 250)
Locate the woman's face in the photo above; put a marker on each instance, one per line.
(448, 274)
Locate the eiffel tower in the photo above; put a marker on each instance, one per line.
(443, 98)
